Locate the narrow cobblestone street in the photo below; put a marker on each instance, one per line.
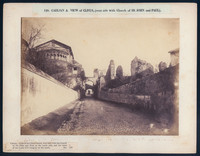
(95, 117)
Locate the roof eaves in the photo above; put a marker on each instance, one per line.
(174, 51)
(59, 43)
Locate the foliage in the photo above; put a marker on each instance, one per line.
(118, 82)
(34, 35)
(119, 72)
(81, 75)
(108, 73)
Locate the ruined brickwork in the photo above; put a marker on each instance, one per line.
(112, 69)
(96, 73)
(174, 56)
(138, 65)
(110, 74)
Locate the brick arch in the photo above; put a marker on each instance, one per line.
(52, 56)
(88, 86)
(65, 57)
(48, 56)
(88, 80)
(58, 57)
(55, 55)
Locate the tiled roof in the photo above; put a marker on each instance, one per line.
(174, 51)
(58, 43)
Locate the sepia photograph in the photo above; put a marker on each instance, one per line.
(99, 76)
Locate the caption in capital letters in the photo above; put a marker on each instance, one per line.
(103, 10)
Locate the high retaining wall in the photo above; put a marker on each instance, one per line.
(166, 80)
(41, 94)
(158, 92)
(125, 98)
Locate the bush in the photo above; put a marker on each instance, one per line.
(117, 82)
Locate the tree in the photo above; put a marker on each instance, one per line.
(119, 72)
(82, 74)
(34, 35)
(156, 70)
(108, 75)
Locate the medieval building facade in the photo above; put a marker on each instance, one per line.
(57, 60)
(54, 50)
(174, 56)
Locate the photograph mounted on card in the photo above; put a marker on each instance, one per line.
(129, 86)
(99, 78)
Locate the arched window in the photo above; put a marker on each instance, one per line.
(54, 56)
(58, 57)
(68, 58)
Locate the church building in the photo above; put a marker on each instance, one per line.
(56, 59)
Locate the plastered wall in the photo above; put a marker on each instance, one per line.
(40, 95)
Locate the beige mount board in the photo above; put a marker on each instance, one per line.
(97, 34)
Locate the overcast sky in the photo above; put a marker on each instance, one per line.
(95, 41)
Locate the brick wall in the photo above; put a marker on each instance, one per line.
(158, 92)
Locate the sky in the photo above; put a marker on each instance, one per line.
(96, 41)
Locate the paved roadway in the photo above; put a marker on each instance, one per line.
(94, 117)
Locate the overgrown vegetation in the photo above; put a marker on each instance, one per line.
(117, 82)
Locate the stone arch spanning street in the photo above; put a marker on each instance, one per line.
(90, 83)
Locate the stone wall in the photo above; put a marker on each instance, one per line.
(158, 92)
(142, 100)
(164, 81)
(41, 94)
